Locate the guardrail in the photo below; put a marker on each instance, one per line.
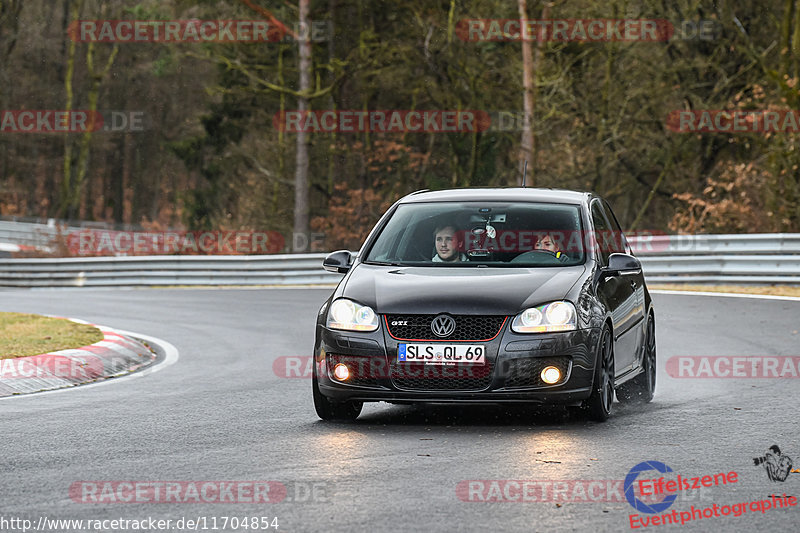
(703, 245)
(760, 258)
(731, 269)
(305, 269)
(27, 234)
(734, 259)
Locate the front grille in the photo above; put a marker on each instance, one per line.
(422, 377)
(468, 327)
(526, 372)
(364, 371)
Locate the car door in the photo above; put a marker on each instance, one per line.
(638, 285)
(618, 291)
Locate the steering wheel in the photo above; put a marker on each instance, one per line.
(543, 257)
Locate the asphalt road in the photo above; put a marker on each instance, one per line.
(221, 414)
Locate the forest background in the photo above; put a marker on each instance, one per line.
(584, 115)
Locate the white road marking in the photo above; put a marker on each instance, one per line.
(729, 295)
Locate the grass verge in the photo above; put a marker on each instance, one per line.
(22, 335)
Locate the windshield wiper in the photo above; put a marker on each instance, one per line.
(382, 263)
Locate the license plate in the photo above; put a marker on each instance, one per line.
(442, 354)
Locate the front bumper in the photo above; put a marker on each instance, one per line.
(511, 373)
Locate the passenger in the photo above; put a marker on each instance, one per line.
(547, 243)
(446, 242)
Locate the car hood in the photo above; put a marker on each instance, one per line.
(430, 290)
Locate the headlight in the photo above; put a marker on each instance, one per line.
(348, 315)
(556, 316)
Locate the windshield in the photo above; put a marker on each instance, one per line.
(481, 233)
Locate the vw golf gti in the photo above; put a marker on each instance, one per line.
(487, 296)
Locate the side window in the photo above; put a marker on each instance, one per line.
(620, 242)
(601, 231)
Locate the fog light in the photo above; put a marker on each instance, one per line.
(551, 375)
(341, 372)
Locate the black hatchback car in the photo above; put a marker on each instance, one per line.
(486, 296)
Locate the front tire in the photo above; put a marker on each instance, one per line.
(640, 389)
(598, 405)
(328, 410)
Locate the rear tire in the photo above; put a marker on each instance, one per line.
(598, 405)
(328, 410)
(640, 389)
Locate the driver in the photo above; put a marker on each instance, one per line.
(548, 243)
(446, 242)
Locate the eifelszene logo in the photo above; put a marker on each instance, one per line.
(630, 481)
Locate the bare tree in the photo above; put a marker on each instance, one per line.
(526, 149)
(73, 183)
(301, 170)
(9, 28)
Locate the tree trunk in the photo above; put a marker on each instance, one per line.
(66, 183)
(281, 138)
(82, 164)
(526, 151)
(331, 102)
(9, 33)
(301, 182)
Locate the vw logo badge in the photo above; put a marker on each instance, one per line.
(443, 326)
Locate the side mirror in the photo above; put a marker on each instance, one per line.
(338, 262)
(623, 265)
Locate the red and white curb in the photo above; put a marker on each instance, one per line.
(116, 355)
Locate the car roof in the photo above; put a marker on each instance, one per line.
(503, 194)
